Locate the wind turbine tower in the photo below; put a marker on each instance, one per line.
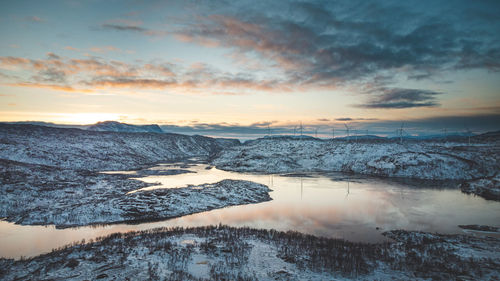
(400, 132)
(347, 131)
(469, 133)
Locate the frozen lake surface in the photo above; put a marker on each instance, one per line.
(355, 208)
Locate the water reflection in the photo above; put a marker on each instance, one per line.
(331, 205)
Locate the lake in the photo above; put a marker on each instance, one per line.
(356, 208)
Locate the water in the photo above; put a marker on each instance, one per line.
(330, 205)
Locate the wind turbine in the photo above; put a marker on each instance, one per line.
(469, 133)
(301, 128)
(400, 131)
(333, 133)
(348, 188)
(347, 131)
(316, 133)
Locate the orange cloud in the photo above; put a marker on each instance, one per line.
(52, 87)
(85, 75)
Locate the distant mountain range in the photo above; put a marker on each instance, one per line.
(105, 126)
(113, 126)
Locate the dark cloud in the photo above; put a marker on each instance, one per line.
(53, 56)
(343, 119)
(50, 75)
(132, 28)
(355, 119)
(119, 27)
(337, 43)
(262, 124)
(402, 98)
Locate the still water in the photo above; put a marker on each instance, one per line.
(330, 205)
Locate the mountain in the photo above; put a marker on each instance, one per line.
(47, 124)
(113, 126)
(97, 151)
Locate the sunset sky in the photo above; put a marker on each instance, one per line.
(241, 65)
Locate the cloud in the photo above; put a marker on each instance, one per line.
(305, 46)
(53, 56)
(118, 27)
(402, 98)
(96, 73)
(104, 49)
(50, 86)
(123, 25)
(355, 119)
(35, 19)
(351, 44)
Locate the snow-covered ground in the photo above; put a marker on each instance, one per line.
(488, 187)
(225, 253)
(97, 151)
(36, 194)
(414, 159)
(421, 160)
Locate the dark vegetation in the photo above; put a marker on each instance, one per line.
(480, 227)
(146, 254)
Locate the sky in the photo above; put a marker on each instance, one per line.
(236, 67)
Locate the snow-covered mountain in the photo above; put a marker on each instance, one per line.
(113, 126)
(97, 151)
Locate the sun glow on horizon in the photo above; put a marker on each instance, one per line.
(86, 118)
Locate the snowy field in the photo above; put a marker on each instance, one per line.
(41, 195)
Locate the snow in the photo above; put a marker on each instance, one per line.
(113, 126)
(417, 159)
(488, 188)
(226, 253)
(34, 194)
(98, 151)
